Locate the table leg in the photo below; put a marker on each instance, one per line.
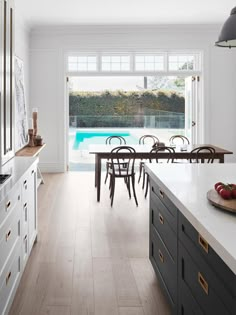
(96, 169)
(98, 180)
(221, 158)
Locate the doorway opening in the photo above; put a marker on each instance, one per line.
(131, 106)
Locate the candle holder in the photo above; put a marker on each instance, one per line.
(31, 137)
(35, 121)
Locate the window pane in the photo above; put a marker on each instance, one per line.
(182, 62)
(72, 59)
(115, 59)
(92, 67)
(106, 67)
(139, 66)
(139, 59)
(82, 59)
(149, 63)
(72, 67)
(115, 66)
(92, 59)
(82, 67)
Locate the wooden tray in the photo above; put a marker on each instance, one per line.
(219, 202)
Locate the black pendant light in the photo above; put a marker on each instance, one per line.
(227, 36)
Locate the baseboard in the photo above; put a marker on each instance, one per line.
(52, 167)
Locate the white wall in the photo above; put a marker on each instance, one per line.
(47, 77)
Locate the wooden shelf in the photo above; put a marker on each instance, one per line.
(30, 151)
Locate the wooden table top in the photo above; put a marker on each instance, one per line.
(105, 148)
(30, 151)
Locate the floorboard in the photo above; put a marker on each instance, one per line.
(90, 259)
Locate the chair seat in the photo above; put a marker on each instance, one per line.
(120, 171)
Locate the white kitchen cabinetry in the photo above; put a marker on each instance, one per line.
(18, 225)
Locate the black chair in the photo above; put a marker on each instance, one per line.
(152, 140)
(157, 150)
(176, 138)
(113, 140)
(119, 169)
(201, 150)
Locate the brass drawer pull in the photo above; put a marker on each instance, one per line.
(32, 172)
(161, 193)
(25, 238)
(161, 256)
(25, 205)
(161, 219)
(8, 277)
(203, 283)
(25, 182)
(203, 243)
(8, 235)
(8, 204)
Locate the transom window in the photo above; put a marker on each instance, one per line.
(181, 62)
(135, 62)
(149, 63)
(82, 63)
(115, 63)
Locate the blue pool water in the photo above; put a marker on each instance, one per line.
(84, 138)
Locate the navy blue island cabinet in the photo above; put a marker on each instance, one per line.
(193, 277)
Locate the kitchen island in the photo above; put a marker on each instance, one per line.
(192, 243)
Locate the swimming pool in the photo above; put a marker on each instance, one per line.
(82, 139)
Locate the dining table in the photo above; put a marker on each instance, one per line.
(181, 152)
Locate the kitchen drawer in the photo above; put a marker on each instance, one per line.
(193, 240)
(9, 234)
(9, 278)
(157, 194)
(206, 288)
(159, 220)
(187, 305)
(9, 202)
(165, 266)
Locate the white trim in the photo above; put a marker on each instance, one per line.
(52, 167)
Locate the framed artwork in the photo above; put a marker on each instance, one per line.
(21, 125)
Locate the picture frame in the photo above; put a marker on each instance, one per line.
(21, 122)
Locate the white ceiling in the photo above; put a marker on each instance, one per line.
(72, 12)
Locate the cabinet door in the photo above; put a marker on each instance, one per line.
(30, 201)
(7, 86)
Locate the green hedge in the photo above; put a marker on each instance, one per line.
(106, 109)
(124, 103)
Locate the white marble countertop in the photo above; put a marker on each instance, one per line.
(17, 166)
(187, 185)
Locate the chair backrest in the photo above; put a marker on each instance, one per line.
(120, 165)
(174, 139)
(119, 139)
(148, 138)
(169, 150)
(199, 158)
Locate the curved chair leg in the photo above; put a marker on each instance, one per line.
(106, 173)
(112, 190)
(128, 186)
(140, 171)
(133, 185)
(144, 176)
(147, 184)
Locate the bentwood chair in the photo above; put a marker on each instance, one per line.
(157, 151)
(113, 140)
(201, 150)
(119, 169)
(146, 139)
(178, 139)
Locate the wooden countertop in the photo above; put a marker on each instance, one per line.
(30, 151)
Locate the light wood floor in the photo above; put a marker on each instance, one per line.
(90, 259)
